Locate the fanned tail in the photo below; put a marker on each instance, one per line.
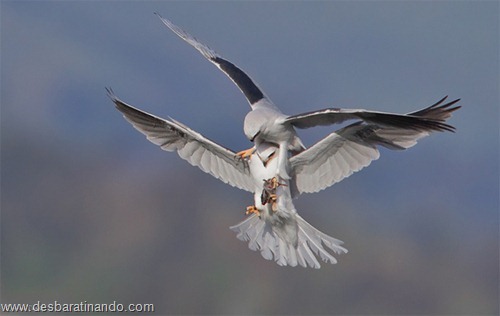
(273, 243)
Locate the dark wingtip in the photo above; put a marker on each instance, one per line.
(120, 105)
(159, 16)
(111, 94)
(456, 107)
(452, 102)
(439, 102)
(449, 128)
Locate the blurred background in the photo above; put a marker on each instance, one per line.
(91, 211)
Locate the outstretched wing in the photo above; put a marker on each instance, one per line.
(251, 91)
(415, 120)
(199, 151)
(354, 147)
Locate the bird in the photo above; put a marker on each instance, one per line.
(280, 233)
(278, 168)
(266, 123)
(274, 226)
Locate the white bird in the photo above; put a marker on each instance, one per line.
(274, 227)
(280, 233)
(267, 124)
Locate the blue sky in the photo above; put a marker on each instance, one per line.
(71, 156)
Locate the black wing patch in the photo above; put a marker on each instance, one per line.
(242, 80)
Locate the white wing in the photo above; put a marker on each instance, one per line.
(190, 145)
(344, 152)
(251, 91)
(332, 159)
(354, 147)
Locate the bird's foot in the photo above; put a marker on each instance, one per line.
(269, 194)
(274, 204)
(245, 153)
(252, 210)
(274, 182)
(268, 198)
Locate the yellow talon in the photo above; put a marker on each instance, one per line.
(275, 183)
(269, 193)
(251, 210)
(245, 153)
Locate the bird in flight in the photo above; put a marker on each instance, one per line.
(278, 167)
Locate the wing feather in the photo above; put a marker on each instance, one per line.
(249, 88)
(344, 152)
(429, 119)
(191, 146)
(354, 147)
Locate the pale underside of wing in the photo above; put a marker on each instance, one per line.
(191, 146)
(249, 88)
(344, 152)
(354, 147)
(431, 118)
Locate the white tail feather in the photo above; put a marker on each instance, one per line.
(272, 244)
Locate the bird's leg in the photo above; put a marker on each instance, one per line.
(251, 210)
(275, 183)
(247, 153)
(273, 198)
(269, 194)
(283, 161)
